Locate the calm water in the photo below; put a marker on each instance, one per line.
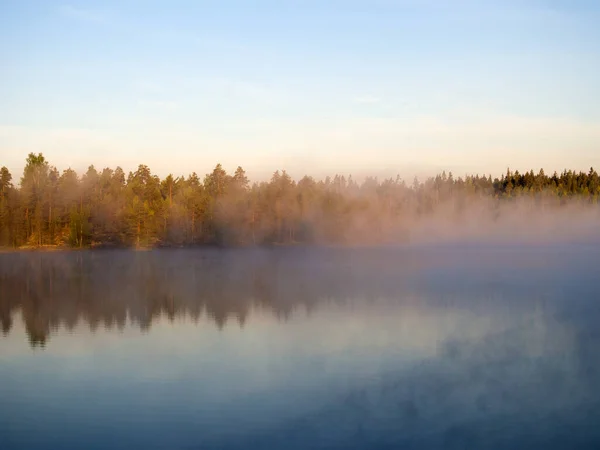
(455, 347)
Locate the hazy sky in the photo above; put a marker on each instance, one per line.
(317, 86)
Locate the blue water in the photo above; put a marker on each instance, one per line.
(412, 347)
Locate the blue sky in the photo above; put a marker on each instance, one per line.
(365, 87)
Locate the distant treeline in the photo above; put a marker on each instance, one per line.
(111, 208)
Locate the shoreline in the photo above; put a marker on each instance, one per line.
(593, 242)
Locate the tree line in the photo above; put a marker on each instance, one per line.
(138, 209)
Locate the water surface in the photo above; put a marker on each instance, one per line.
(408, 347)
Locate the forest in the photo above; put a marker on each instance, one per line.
(109, 208)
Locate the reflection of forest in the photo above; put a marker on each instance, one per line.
(114, 288)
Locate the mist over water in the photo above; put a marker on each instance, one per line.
(415, 346)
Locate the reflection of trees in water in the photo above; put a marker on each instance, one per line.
(114, 288)
(110, 288)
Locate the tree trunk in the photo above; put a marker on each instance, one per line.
(253, 228)
(81, 221)
(193, 225)
(39, 222)
(139, 230)
(50, 223)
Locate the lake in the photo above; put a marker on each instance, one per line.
(472, 346)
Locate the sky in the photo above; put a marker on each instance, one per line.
(378, 87)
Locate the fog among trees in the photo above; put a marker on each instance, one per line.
(108, 207)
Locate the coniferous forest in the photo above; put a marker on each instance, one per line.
(111, 208)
